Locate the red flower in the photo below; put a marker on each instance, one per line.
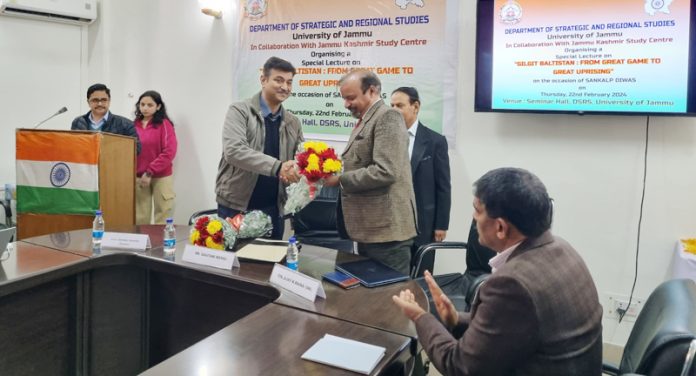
(217, 237)
(302, 160)
(314, 176)
(326, 154)
(201, 223)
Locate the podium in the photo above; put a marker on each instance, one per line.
(64, 176)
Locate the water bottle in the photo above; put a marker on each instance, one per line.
(169, 236)
(97, 229)
(293, 254)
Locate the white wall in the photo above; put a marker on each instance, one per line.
(40, 72)
(592, 165)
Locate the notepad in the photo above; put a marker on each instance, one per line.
(263, 251)
(345, 353)
(371, 273)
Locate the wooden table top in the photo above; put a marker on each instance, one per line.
(282, 330)
(314, 261)
(79, 242)
(366, 306)
(274, 345)
(28, 263)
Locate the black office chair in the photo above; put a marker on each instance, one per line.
(200, 213)
(7, 210)
(663, 335)
(316, 223)
(460, 288)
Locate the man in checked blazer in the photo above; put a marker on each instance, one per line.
(377, 201)
(537, 314)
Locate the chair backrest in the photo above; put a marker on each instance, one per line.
(7, 211)
(477, 255)
(663, 331)
(316, 223)
(318, 218)
(200, 213)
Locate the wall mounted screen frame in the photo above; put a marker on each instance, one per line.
(621, 57)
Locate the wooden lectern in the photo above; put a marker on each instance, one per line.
(115, 157)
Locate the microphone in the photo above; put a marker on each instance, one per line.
(64, 109)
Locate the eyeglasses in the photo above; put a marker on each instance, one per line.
(98, 100)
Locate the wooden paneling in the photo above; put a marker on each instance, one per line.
(115, 302)
(184, 311)
(37, 330)
(29, 225)
(117, 179)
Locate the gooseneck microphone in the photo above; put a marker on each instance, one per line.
(64, 109)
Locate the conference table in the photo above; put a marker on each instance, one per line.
(67, 309)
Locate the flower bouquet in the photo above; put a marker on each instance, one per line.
(212, 232)
(251, 225)
(316, 161)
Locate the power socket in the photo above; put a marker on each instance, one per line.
(618, 303)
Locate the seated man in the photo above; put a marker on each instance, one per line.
(537, 314)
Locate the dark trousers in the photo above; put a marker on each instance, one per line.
(277, 221)
(396, 255)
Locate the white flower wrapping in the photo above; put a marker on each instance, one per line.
(300, 194)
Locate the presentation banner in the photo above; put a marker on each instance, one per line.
(593, 55)
(405, 42)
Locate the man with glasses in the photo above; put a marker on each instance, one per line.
(377, 207)
(99, 118)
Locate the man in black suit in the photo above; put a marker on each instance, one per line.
(430, 170)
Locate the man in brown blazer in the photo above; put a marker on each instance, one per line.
(377, 200)
(537, 314)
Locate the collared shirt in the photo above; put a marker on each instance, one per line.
(368, 109)
(266, 111)
(412, 138)
(501, 258)
(97, 125)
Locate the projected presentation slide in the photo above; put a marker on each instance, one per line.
(591, 55)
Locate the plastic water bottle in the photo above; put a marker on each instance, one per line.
(293, 255)
(169, 236)
(97, 229)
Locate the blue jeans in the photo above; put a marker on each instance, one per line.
(276, 219)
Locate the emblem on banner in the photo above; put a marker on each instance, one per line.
(60, 174)
(511, 12)
(403, 4)
(255, 9)
(654, 6)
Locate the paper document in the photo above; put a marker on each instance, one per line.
(345, 353)
(263, 252)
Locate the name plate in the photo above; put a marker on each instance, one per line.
(126, 241)
(296, 282)
(210, 257)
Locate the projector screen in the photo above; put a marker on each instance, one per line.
(586, 56)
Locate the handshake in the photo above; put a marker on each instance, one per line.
(289, 173)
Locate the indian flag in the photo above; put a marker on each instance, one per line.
(57, 172)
